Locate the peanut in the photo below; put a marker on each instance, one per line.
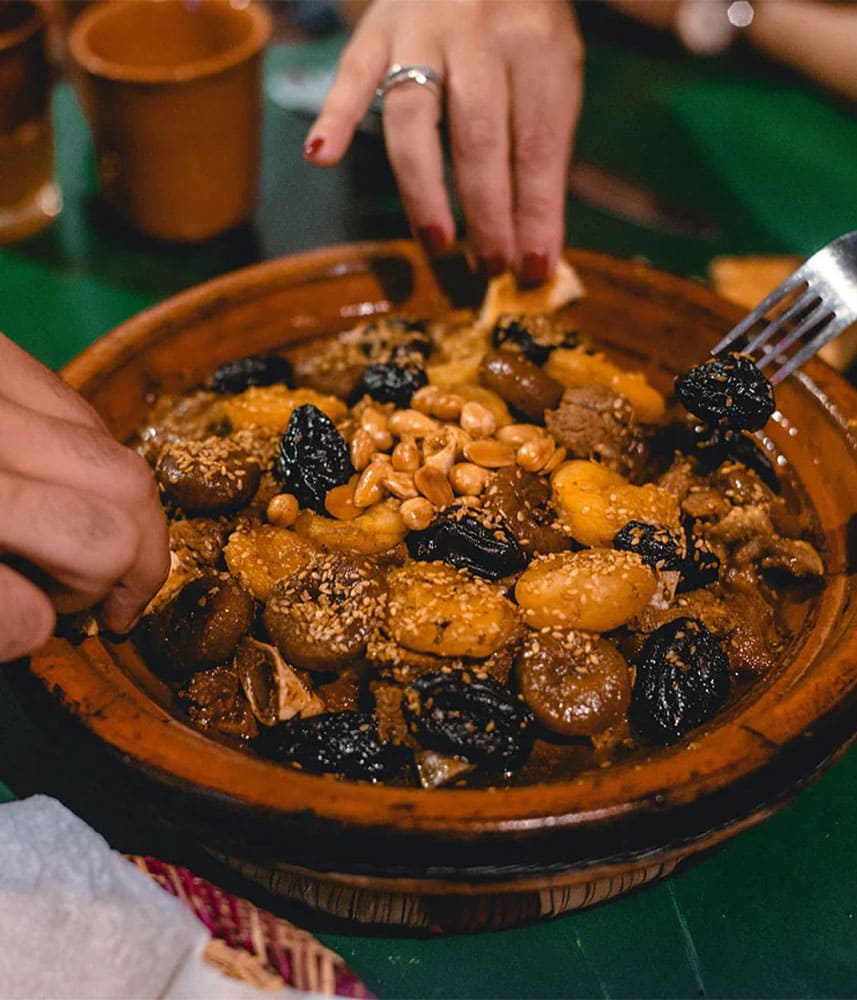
(400, 484)
(339, 502)
(518, 434)
(375, 423)
(425, 398)
(477, 420)
(467, 479)
(370, 485)
(490, 453)
(362, 449)
(404, 423)
(448, 406)
(434, 402)
(534, 455)
(439, 451)
(406, 456)
(417, 513)
(282, 510)
(433, 485)
(556, 460)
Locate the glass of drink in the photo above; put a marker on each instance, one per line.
(29, 195)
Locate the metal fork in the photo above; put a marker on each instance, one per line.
(825, 305)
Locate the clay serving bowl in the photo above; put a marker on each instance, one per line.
(469, 859)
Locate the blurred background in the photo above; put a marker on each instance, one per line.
(680, 159)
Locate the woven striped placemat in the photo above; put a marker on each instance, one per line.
(253, 945)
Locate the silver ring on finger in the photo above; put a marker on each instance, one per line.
(397, 74)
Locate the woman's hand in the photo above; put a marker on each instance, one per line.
(80, 519)
(512, 72)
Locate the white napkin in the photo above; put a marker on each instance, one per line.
(77, 920)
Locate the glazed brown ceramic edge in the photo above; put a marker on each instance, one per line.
(259, 24)
(152, 740)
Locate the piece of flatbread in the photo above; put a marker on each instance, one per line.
(505, 296)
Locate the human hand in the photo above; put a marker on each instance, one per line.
(513, 85)
(80, 519)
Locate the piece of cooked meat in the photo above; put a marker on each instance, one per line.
(753, 637)
(595, 422)
(793, 555)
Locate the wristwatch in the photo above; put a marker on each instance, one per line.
(709, 27)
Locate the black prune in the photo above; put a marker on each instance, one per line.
(701, 565)
(682, 680)
(411, 350)
(466, 543)
(255, 369)
(391, 383)
(656, 545)
(313, 457)
(728, 392)
(345, 743)
(536, 337)
(478, 719)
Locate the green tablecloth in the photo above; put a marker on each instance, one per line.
(772, 913)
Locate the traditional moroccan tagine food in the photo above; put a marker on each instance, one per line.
(468, 551)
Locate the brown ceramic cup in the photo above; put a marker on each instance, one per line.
(173, 95)
(29, 196)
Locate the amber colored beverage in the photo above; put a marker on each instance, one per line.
(29, 196)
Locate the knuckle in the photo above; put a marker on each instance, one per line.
(539, 142)
(476, 136)
(97, 527)
(353, 67)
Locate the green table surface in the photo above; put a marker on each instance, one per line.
(770, 914)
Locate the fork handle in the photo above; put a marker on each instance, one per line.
(818, 39)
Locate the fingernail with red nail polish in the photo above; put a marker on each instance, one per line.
(534, 269)
(432, 239)
(491, 266)
(312, 146)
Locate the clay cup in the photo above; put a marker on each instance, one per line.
(173, 95)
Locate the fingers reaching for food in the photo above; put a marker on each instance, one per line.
(507, 78)
(82, 524)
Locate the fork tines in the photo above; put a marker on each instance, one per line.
(809, 309)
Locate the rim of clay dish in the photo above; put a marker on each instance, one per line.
(78, 43)
(24, 31)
